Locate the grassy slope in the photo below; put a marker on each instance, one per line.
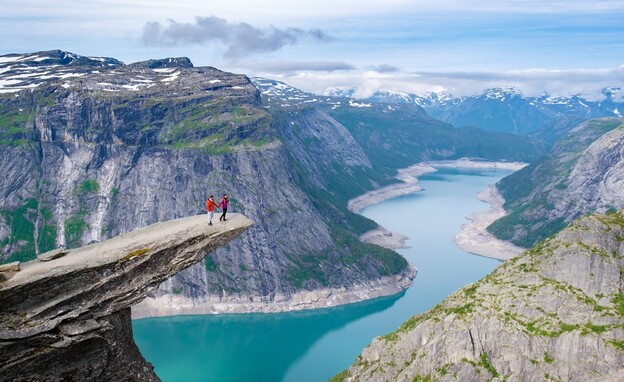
(527, 300)
(405, 135)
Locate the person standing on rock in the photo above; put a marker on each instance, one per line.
(223, 203)
(210, 206)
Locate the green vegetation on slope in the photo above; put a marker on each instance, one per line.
(21, 241)
(47, 233)
(20, 244)
(14, 125)
(329, 194)
(404, 136)
(89, 186)
(75, 225)
(218, 127)
(348, 250)
(534, 299)
(530, 193)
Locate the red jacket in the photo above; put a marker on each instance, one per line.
(210, 205)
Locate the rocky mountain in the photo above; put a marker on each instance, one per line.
(508, 110)
(91, 148)
(555, 313)
(583, 173)
(66, 315)
(401, 134)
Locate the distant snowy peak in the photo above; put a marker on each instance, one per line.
(20, 72)
(54, 58)
(279, 89)
(501, 93)
(505, 94)
(26, 71)
(283, 95)
(391, 96)
(613, 92)
(286, 95)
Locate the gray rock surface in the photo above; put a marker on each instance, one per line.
(554, 313)
(598, 177)
(8, 270)
(52, 255)
(69, 318)
(583, 173)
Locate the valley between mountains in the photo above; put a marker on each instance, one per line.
(92, 148)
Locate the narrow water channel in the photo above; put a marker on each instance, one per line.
(315, 345)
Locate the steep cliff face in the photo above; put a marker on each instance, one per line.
(554, 313)
(584, 172)
(66, 315)
(91, 148)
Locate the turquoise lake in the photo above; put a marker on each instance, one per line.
(315, 345)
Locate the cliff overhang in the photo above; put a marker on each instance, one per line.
(66, 316)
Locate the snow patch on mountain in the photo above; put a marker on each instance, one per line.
(359, 104)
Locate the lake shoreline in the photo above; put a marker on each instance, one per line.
(177, 305)
(290, 346)
(473, 237)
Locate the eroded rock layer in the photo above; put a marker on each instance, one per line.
(68, 318)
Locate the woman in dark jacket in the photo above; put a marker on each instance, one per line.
(223, 204)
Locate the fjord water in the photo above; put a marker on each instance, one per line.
(314, 345)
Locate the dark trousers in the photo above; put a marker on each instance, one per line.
(223, 215)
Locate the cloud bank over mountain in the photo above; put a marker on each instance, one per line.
(588, 83)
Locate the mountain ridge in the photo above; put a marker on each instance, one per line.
(581, 174)
(399, 135)
(504, 109)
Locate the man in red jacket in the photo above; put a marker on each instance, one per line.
(210, 206)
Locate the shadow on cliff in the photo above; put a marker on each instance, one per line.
(241, 347)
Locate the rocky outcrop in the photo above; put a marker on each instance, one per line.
(68, 318)
(583, 173)
(554, 313)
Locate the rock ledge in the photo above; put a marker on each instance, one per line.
(69, 318)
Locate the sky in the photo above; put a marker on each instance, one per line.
(558, 47)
